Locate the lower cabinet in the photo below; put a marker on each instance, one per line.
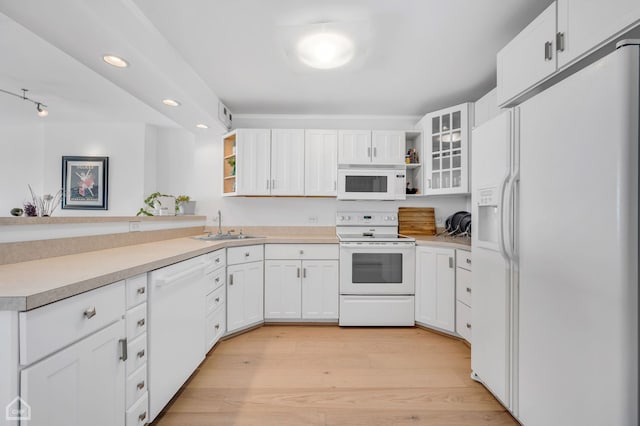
(301, 282)
(435, 288)
(245, 287)
(463, 294)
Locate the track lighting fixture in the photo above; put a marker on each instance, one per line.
(40, 107)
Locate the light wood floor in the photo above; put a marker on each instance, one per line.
(326, 375)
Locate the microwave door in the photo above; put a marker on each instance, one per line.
(366, 184)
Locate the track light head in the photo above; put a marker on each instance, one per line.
(42, 112)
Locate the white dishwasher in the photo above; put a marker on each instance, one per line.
(176, 328)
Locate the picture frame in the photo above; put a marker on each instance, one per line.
(85, 182)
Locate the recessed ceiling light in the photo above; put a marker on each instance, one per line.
(170, 102)
(116, 61)
(325, 50)
(202, 126)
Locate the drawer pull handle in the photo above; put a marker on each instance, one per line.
(141, 290)
(468, 261)
(141, 322)
(247, 254)
(468, 289)
(141, 354)
(217, 326)
(468, 325)
(217, 279)
(217, 299)
(90, 312)
(301, 251)
(217, 260)
(230, 279)
(140, 385)
(298, 276)
(142, 416)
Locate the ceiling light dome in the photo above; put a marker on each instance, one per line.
(116, 61)
(325, 50)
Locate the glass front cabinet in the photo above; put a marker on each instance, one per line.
(446, 143)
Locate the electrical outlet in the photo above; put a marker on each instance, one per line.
(134, 226)
(313, 219)
(439, 221)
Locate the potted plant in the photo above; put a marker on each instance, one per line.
(232, 163)
(184, 205)
(158, 204)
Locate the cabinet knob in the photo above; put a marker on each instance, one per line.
(141, 290)
(468, 261)
(141, 354)
(468, 325)
(142, 416)
(468, 289)
(217, 299)
(217, 279)
(141, 322)
(217, 326)
(140, 385)
(90, 312)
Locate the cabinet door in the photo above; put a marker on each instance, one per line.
(321, 162)
(388, 147)
(320, 289)
(254, 292)
(282, 289)
(253, 161)
(435, 287)
(585, 24)
(446, 142)
(236, 279)
(287, 162)
(82, 384)
(354, 147)
(529, 57)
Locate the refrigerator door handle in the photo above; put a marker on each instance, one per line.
(501, 244)
(511, 188)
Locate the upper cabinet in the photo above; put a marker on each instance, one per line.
(287, 162)
(321, 163)
(364, 147)
(253, 161)
(446, 143)
(564, 33)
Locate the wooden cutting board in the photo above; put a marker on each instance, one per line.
(417, 220)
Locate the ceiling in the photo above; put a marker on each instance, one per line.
(415, 56)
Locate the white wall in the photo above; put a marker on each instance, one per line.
(21, 161)
(175, 150)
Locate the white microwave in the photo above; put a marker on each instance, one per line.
(388, 183)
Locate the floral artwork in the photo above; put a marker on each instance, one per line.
(84, 181)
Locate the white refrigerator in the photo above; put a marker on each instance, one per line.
(555, 247)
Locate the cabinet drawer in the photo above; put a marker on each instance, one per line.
(301, 251)
(138, 414)
(215, 300)
(136, 321)
(136, 290)
(214, 280)
(463, 286)
(137, 353)
(49, 328)
(136, 385)
(215, 260)
(463, 321)
(463, 259)
(215, 327)
(245, 254)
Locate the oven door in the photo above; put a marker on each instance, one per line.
(377, 268)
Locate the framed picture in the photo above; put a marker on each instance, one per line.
(84, 183)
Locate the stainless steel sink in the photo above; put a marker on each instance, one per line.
(223, 237)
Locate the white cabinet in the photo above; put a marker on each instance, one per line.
(583, 24)
(287, 162)
(464, 290)
(245, 290)
(529, 57)
(435, 287)
(565, 32)
(253, 161)
(363, 147)
(321, 163)
(297, 287)
(215, 297)
(446, 143)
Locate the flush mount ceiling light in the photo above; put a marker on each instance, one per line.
(171, 102)
(116, 61)
(202, 126)
(40, 107)
(325, 50)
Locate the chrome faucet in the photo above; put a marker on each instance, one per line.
(219, 222)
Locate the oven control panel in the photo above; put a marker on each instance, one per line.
(359, 218)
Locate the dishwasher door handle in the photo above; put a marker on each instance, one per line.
(166, 280)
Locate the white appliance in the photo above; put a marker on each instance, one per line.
(555, 197)
(176, 328)
(367, 183)
(377, 282)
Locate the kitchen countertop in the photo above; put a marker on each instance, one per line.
(29, 285)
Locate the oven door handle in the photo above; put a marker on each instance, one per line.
(384, 247)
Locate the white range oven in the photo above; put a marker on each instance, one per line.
(367, 183)
(377, 270)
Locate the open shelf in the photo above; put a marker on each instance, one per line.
(228, 171)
